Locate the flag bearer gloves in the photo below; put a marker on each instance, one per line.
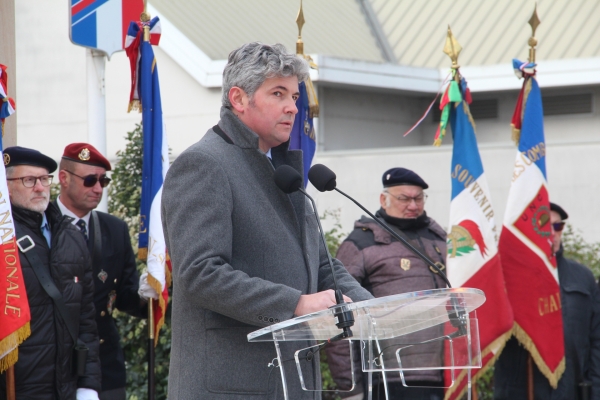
(146, 291)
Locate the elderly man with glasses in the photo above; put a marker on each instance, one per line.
(59, 360)
(385, 267)
(580, 307)
(82, 179)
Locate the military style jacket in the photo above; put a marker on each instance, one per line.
(384, 266)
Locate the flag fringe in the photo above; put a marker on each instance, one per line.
(516, 134)
(467, 111)
(134, 105)
(143, 254)
(168, 273)
(13, 341)
(313, 101)
(499, 343)
(155, 284)
(527, 342)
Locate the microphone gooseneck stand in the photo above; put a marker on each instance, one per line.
(289, 180)
(324, 180)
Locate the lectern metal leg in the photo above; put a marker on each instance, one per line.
(469, 391)
(280, 359)
(383, 376)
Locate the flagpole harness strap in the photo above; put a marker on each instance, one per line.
(80, 351)
(97, 240)
(25, 249)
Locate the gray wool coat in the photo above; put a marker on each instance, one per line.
(242, 253)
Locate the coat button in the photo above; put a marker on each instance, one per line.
(103, 313)
(101, 341)
(260, 317)
(115, 281)
(270, 319)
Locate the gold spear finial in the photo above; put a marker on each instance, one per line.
(452, 48)
(534, 21)
(145, 17)
(300, 22)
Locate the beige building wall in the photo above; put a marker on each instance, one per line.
(571, 166)
(51, 88)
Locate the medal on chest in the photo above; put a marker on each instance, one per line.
(102, 275)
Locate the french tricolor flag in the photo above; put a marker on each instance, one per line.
(15, 317)
(473, 259)
(525, 245)
(155, 163)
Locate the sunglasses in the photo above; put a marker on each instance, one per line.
(91, 180)
(558, 226)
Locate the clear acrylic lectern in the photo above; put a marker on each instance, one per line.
(443, 316)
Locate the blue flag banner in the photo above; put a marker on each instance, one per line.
(303, 131)
(472, 259)
(528, 262)
(152, 177)
(155, 162)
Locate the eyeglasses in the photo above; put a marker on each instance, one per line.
(404, 200)
(558, 226)
(91, 180)
(30, 181)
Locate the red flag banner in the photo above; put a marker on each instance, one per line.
(525, 243)
(14, 315)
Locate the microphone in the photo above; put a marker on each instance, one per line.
(289, 181)
(323, 179)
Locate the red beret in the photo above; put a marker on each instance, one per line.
(85, 153)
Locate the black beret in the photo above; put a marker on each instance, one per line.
(18, 155)
(563, 214)
(402, 176)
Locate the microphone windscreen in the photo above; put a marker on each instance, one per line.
(287, 179)
(322, 178)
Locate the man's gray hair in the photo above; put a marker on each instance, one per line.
(10, 172)
(250, 65)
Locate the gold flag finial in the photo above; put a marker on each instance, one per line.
(300, 22)
(534, 21)
(452, 48)
(145, 17)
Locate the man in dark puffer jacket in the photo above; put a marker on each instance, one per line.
(45, 368)
(385, 267)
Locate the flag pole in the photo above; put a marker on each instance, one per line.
(10, 383)
(452, 49)
(145, 18)
(534, 21)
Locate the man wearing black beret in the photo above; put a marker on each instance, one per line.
(580, 306)
(59, 360)
(385, 267)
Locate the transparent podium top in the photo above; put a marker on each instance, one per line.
(385, 317)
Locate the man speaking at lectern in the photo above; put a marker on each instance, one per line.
(245, 255)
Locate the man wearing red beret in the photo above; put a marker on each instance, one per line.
(82, 179)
